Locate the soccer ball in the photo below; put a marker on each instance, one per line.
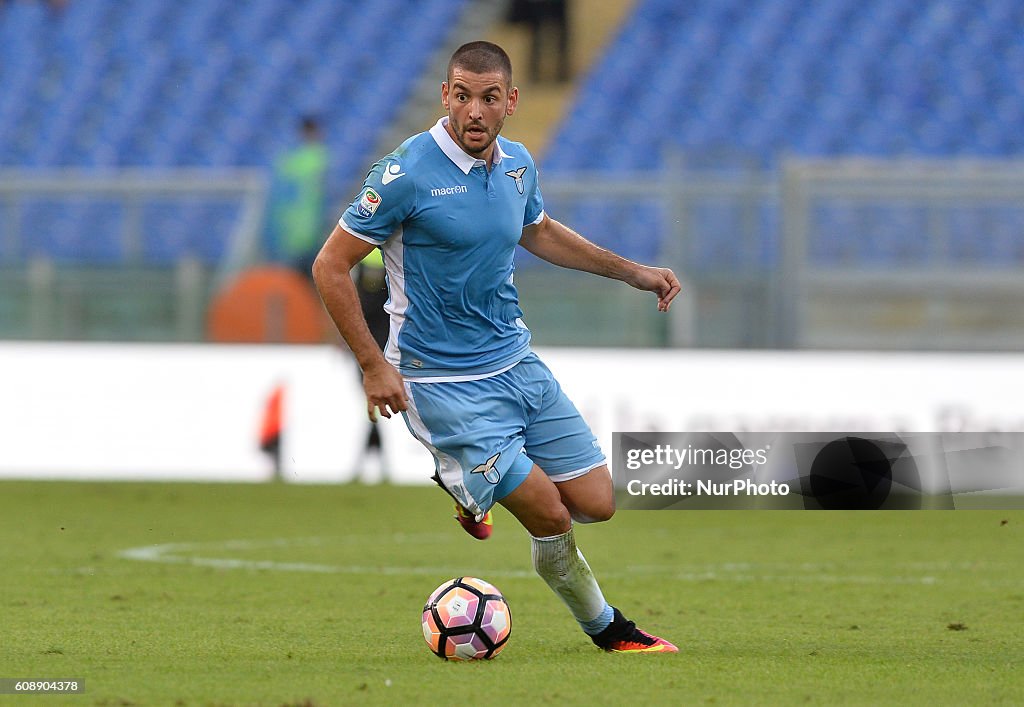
(466, 619)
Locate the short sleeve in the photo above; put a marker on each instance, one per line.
(387, 198)
(534, 202)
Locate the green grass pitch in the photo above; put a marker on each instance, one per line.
(311, 595)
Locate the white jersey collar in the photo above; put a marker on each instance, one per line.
(456, 154)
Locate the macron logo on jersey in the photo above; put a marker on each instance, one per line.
(391, 173)
(448, 191)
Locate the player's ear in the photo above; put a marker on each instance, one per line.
(513, 100)
(444, 94)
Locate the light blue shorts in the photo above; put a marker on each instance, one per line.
(487, 434)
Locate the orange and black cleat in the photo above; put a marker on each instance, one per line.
(479, 529)
(622, 636)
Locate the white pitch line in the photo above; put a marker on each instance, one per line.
(194, 554)
(182, 554)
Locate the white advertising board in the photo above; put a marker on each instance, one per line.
(193, 412)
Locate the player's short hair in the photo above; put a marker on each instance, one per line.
(481, 58)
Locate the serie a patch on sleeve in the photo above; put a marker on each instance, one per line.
(369, 202)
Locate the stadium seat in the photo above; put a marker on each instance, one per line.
(197, 83)
(775, 77)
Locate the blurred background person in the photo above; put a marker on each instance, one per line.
(548, 22)
(298, 203)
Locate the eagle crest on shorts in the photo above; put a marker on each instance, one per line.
(491, 474)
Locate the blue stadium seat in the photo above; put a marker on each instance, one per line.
(775, 77)
(74, 231)
(168, 83)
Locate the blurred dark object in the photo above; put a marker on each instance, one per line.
(548, 21)
(373, 295)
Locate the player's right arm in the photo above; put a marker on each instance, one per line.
(558, 244)
(332, 272)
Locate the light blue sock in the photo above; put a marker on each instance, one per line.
(592, 628)
(560, 563)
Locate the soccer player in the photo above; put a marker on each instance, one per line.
(448, 208)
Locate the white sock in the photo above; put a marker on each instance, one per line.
(560, 563)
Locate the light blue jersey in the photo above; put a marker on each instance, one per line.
(448, 228)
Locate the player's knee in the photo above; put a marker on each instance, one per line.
(606, 510)
(553, 519)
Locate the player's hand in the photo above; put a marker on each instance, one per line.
(661, 281)
(385, 391)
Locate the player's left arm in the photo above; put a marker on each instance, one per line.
(556, 243)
